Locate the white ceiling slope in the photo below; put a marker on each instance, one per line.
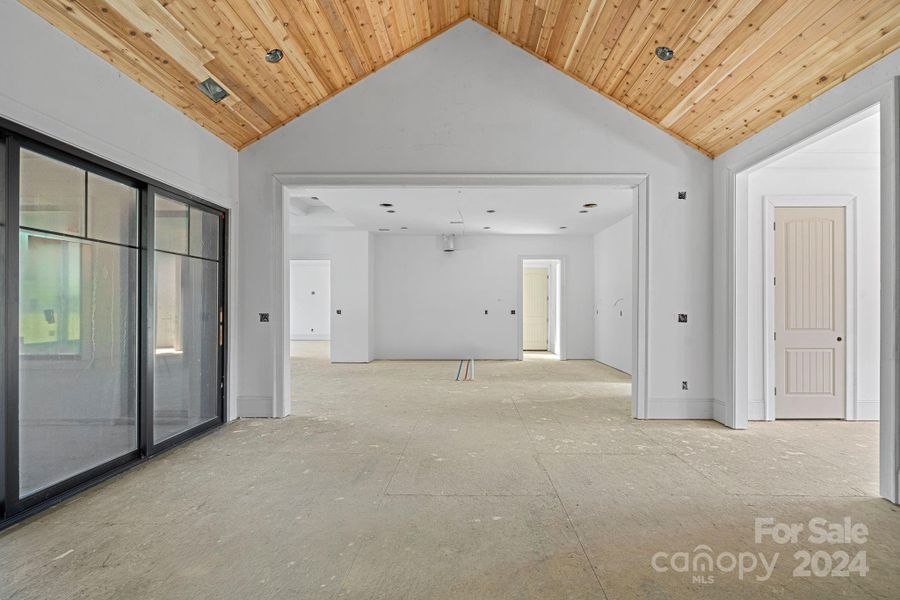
(853, 145)
(518, 210)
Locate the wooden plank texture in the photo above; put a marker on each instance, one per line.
(739, 65)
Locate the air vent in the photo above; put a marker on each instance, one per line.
(213, 90)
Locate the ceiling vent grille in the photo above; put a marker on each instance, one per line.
(213, 90)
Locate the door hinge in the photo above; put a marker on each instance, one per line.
(775, 335)
(776, 390)
(774, 226)
(774, 281)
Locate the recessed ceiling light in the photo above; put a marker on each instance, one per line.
(384, 229)
(274, 55)
(491, 211)
(485, 227)
(456, 222)
(212, 89)
(313, 197)
(386, 204)
(391, 211)
(582, 211)
(563, 227)
(664, 53)
(404, 228)
(590, 205)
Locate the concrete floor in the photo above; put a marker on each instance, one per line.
(393, 481)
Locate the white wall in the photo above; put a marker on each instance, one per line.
(833, 174)
(470, 102)
(310, 300)
(52, 84)
(430, 304)
(350, 253)
(613, 268)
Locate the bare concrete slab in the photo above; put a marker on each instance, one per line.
(393, 481)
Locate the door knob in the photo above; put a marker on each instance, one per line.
(840, 339)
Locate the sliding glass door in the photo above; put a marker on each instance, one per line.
(112, 321)
(78, 292)
(187, 317)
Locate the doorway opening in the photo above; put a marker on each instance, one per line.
(541, 303)
(811, 217)
(310, 312)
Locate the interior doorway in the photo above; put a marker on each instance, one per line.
(541, 295)
(813, 268)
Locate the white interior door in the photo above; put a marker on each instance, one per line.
(810, 313)
(534, 308)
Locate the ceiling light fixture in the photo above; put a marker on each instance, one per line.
(582, 211)
(456, 222)
(563, 227)
(383, 229)
(212, 89)
(391, 210)
(664, 53)
(274, 55)
(404, 228)
(485, 227)
(386, 204)
(590, 205)
(491, 211)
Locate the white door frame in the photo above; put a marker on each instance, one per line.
(847, 202)
(639, 182)
(560, 304)
(734, 191)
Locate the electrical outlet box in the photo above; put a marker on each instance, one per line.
(682, 318)
(338, 311)
(682, 195)
(263, 317)
(512, 312)
(485, 311)
(684, 385)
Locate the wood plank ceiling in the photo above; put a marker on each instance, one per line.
(739, 65)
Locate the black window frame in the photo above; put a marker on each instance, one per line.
(16, 137)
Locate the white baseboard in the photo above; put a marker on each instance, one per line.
(868, 410)
(756, 410)
(721, 412)
(255, 406)
(680, 408)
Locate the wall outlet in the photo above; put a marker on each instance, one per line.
(313, 292)
(263, 317)
(684, 385)
(682, 318)
(338, 311)
(485, 311)
(682, 195)
(512, 312)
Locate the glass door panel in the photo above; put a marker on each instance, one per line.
(78, 337)
(186, 390)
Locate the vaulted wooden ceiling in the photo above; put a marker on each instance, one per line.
(739, 65)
